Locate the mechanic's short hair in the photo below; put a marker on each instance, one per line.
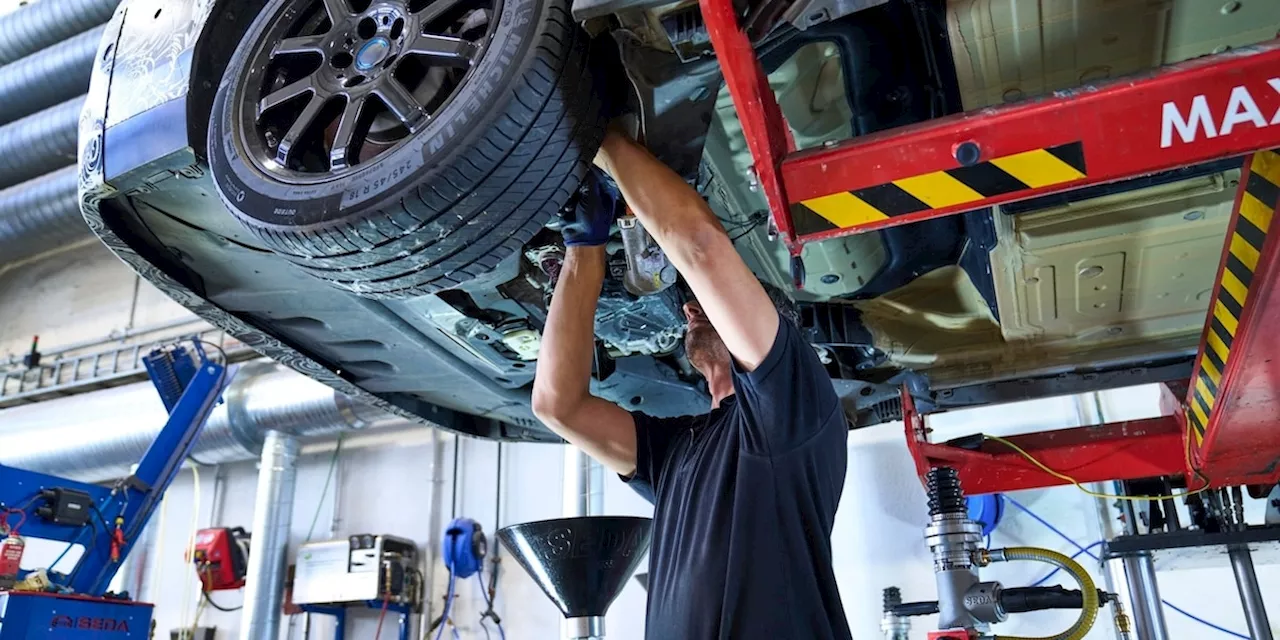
(783, 303)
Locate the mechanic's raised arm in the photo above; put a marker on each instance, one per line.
(561, 391)
(686, 229)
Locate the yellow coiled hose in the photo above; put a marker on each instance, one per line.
(1088, 613)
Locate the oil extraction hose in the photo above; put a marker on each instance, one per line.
(1089, 592)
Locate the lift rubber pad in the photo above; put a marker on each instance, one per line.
(1257, 205)
(996, 177)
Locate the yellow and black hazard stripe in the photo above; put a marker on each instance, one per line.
(940, 189)
(1257, 206)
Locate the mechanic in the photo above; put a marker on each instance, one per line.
(745, 496)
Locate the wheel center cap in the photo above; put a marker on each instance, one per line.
(372, 53)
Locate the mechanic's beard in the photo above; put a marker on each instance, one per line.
(704, 348)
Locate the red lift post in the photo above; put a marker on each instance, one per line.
(1211, 108)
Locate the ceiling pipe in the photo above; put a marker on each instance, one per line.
(48, 77)
(99, 435)
(39, 143)
(40, 215)
(37, 25)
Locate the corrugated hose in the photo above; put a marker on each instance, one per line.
(1088, 612)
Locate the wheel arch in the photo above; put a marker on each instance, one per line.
(220, 34)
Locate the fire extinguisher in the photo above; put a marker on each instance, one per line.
(10, 558)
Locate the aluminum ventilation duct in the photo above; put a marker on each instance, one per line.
(48, 77)
(98, 436)
(45, 23)
(39, 143)
(272, 517)
(40, 215)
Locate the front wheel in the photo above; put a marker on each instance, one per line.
(399, 147)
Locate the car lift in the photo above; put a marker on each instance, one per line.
(1225, 432)
(190, 385)
(1211, 108)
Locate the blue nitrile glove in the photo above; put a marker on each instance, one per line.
(589, 222)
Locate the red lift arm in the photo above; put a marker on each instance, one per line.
(1206, 109)
(1211, 108)
(1233, 405)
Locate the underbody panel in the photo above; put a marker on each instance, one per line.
(1101, 284)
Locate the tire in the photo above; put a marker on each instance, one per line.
(473, 186)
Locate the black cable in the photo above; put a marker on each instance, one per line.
(105, 523)
(221, 352)
(207, 599)
(752, 223)
(93, 544)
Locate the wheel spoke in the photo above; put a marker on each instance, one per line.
(337, 10)
(433, 11)
(299, 44)
(286, 93)
(399, 101)
(341, 154)
(446, 50)
(298, 129)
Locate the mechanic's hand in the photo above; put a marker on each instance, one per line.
(590, 221)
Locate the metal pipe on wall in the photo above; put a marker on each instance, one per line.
(272, 517)
(1255, 609)
(579, 499)
(575, 483)
(99, 435)
(431, 555)
(1133, 577)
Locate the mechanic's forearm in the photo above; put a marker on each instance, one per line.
(568, 343)
(691, 236)
(670, 210)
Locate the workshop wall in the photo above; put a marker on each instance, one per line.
(384, 484)
(82, 293)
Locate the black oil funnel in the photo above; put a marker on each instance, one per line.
(580, 563)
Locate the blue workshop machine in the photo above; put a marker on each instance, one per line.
(104, 520)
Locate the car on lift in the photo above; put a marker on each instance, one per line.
(369, 192)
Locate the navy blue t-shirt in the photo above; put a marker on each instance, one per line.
(745, 500)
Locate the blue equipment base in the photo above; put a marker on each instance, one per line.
(340, 612)
(48, 616)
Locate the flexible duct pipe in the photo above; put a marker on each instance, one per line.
(44, 23)
(99, 436)
(39, 143)
(48, 77)
(272, 516)
(40, 215)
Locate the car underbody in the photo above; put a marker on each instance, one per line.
(1099, 288)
